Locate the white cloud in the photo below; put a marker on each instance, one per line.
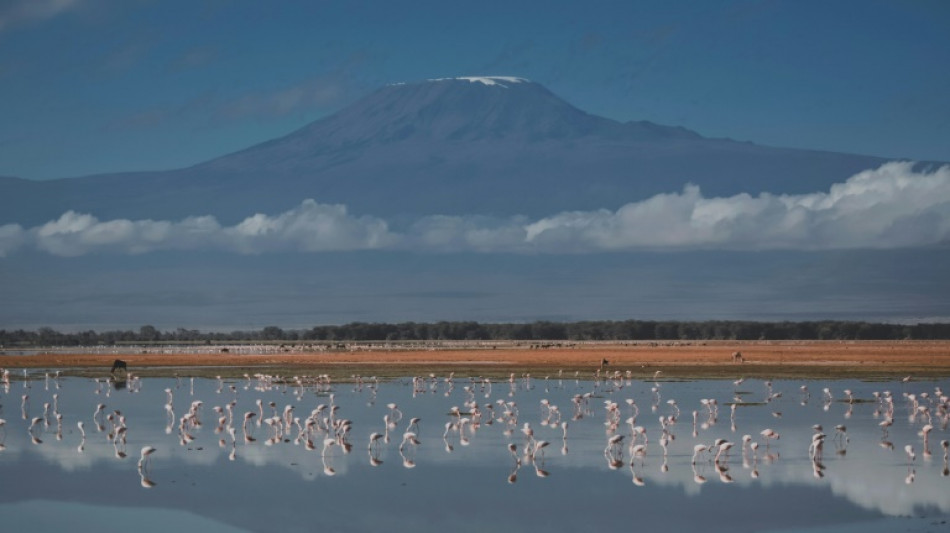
(311, 227)
(889, 207)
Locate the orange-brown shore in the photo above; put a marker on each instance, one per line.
(713, 358)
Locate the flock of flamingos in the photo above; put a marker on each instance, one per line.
(323, 427)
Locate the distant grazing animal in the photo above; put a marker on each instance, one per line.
(737, 357)
(119, 363)
(604, 363)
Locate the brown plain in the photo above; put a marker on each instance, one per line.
(684, 359)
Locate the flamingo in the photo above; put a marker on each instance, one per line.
(638, 450)
(886, 423)
(664, 443)
(408, 438)
(723, 448)
(698, 449)
(374, 440)
(769, 434)
(247, 417)
(144, 457)
(396, 414)
(539, 446)
(909, 450)
(613, 443)
(746, 440)
(528, 432)
(260, 408)
(35, 422)
(672, 403)
(513, 450)
(816, 446)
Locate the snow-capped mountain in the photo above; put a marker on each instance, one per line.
(476, 145)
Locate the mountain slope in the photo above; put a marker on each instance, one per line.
(499, 146)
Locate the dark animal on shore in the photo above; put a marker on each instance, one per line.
(604, 363)
(737, 357)
(119, 363)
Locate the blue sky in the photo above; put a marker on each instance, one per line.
(89, 86)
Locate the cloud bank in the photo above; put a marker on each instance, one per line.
(889, 207)
(310, 227)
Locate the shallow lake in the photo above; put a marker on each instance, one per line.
(459, 472)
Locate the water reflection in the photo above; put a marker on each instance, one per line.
(525, 452)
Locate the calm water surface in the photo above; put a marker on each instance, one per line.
(277, 477)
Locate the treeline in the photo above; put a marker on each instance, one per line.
(626, 330)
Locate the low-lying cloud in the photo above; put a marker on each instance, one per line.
(893, 206)
(310, 227)
(890, 207)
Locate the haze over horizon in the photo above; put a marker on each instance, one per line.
(594, 178)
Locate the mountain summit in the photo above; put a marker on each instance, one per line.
(450, 110)
(493, 145)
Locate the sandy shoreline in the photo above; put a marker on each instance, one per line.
(865, 358)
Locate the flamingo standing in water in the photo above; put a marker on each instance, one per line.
(638, 450)
(816, 446)
(723, 449)
(698, 449)
(614, 444)
(886, 423)
(374, 440)
(247, 417)
(754, 446)
(925, 433)
(395, 415)
(769, 434)
(539, 446)
(513, 450)
(144, 460)
(408, 438)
